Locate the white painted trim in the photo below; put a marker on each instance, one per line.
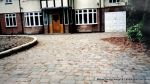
(114, 1)
(87, 13)
(33, 15)
(88, 24)
(10, 15)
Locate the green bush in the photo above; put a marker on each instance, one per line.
(135, 32)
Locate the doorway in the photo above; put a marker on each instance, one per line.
(55, 25)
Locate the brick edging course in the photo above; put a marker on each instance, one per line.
(18, 48)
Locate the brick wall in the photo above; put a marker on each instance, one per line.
(10, 30)
(33, 30)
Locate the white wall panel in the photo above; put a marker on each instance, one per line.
(65, 3)
(50, 3)
(43, 4)
(58, 3)
(31, 5)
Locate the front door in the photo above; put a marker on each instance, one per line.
(56, 24)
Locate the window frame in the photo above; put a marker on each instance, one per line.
(114, 1)
(30, 15)
(87, 13)
(10, 16)
(8, 2)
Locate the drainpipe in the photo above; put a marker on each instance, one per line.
(0, 27)
(100, 15)
(20, 8)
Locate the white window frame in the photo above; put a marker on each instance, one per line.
(88, 19)
(8, 1)
(114, 1)
(28, 15)
(10, 18)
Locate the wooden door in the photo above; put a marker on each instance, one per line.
(56, 24)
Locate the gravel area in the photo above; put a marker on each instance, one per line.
(8, 42)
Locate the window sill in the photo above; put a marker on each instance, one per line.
(34, 26)
(68, 24)
(8, 3)
(10, 26)
(88, 24)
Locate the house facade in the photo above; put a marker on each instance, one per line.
(55, 16)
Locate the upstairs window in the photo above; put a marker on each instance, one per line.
(113, 1)
(10, 20)
(8, 2)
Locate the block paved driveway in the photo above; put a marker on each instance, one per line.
(75, 59)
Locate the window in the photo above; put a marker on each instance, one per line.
(113, 1)
(45, 18)
(8, 2)
(86, 16)
(10, 20)
(66, 17)
(33, 19)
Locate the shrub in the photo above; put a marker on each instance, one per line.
(135, 32)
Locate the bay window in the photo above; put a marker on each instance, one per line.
(33, 19)
(86, 16)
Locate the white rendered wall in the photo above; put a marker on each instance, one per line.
(81, 4)
(9, 8)
(30, 5)
(27, 6)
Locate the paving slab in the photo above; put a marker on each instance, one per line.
(75, 59)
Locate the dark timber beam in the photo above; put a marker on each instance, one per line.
(62, 5)
(68, 10)
(41, 3)
(48, 24)
(46, 3)
(68, 2)
(42, 12)
(54, 3)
